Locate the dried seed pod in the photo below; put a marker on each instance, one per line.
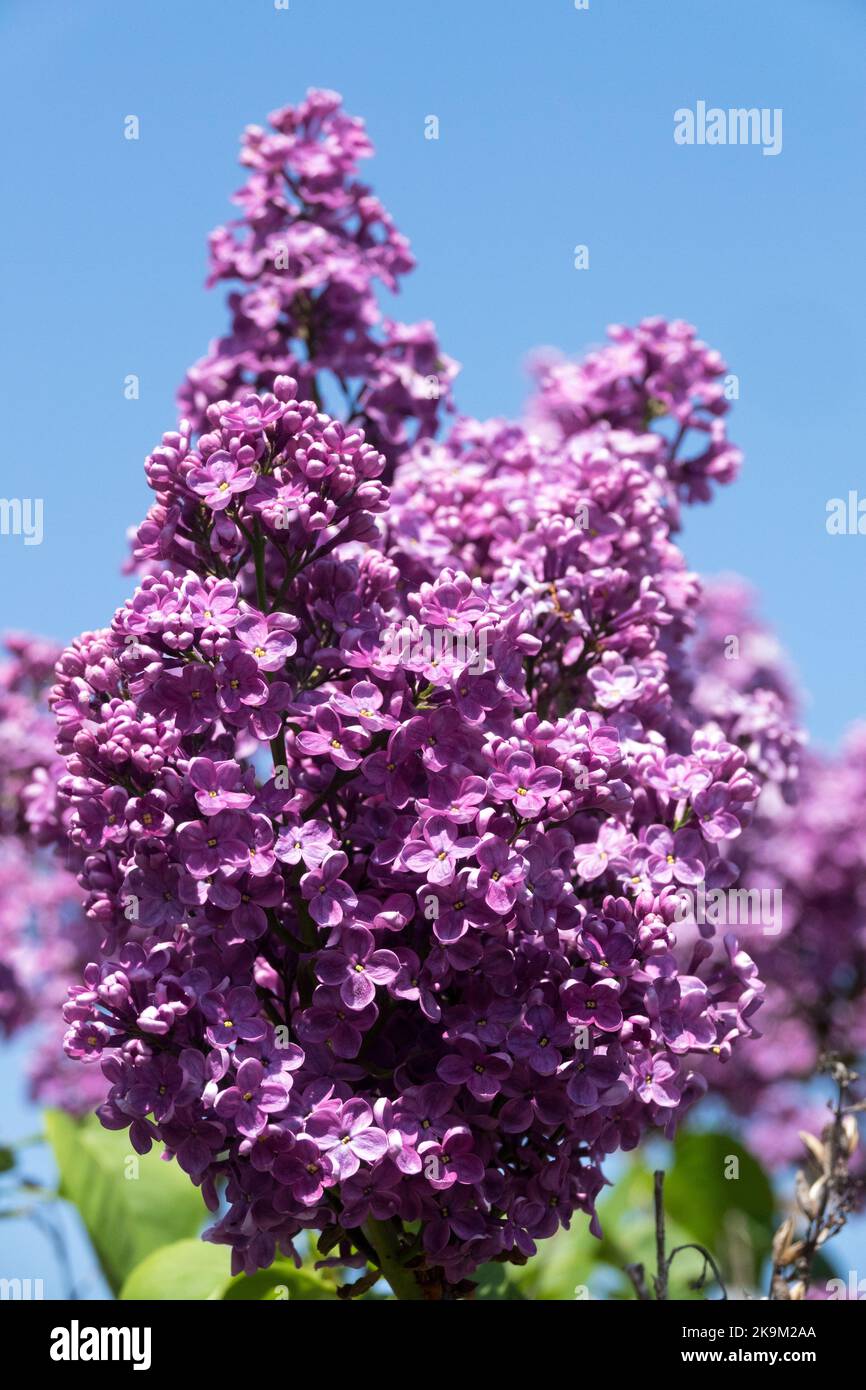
(792, 1252)
(804, 1201)
(851, 1131)
(816, 1149)
(782, 1239)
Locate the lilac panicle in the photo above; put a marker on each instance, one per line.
(381, 796)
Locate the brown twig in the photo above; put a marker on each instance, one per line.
(662, 1265)
(826, 1192)
(661, 1278)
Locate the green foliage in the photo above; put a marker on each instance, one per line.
(131, 1205)
(187, 1269)
(194, 1269)
(280, 1281)
(719, 1191)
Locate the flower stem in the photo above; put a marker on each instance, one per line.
(258, 546)
(385, 1241)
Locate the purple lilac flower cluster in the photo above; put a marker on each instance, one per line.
(391, 940)
(814, 853)
(659, 370)
(308, 252)
(44, 938)
(743, 682)
(807, 847)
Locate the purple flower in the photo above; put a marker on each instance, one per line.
(411, 983)
(330, 739)
(238, 680)
(253, 1098)
(220, 480)
(148, 814)
(609, 853)
(188, 697)
(268, 638)
(310, 841)
(456, 1214)
(218, 786)
(254, 413)
(656, 1079)
(214, 607)
(330, 898)
(306, 1171)
(332, 1022)
(526, 786)
(423, 1111)
(220, 842)
(536, 1040)
(481, 1072)
(102, 820)
(233, 1017)
(596, 1079)
(493, 827)
(265, 720)
(250, 916)
(451, 1159)
(597, 1003)
(683, 1008)
(451, 602)
(457, 801)
(194, 1141)
(371, 1194)
(672, 857)
(500, 875)
(347, 1134)
(713, 810)
(615, 686)
(357, 967)
(363, 705)
(156, 1088)
(437, 853)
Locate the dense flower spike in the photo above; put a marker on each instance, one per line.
(382, 804)
(311, 247)
(801, 909)
(659, 370)
(804, 859)
(386, 787)
(743, 682)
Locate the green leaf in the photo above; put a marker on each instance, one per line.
(7, 1159)
(498, 1282)
(719, 1193)
(130, 1204)
(187, 1269)
(194, 1269)
(280, 1281)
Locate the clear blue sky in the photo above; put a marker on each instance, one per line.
(556, 129)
